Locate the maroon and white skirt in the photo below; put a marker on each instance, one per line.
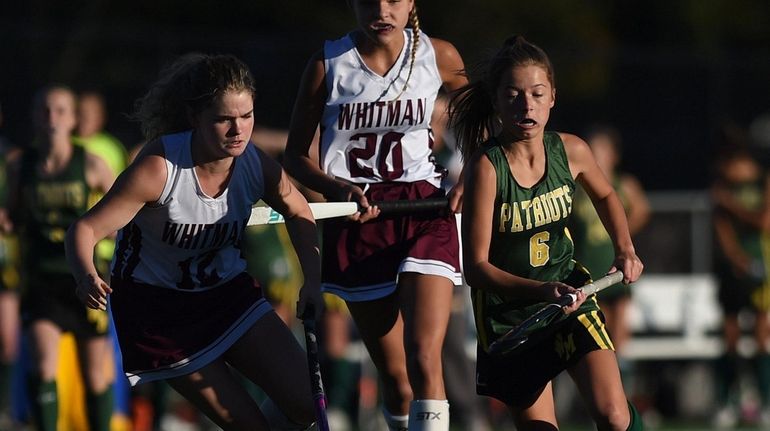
(361, 262)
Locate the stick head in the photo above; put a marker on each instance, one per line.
(520, 334)
(503, 347)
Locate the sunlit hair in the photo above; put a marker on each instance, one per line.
(471, 109)
(188, 86)
(414, 22)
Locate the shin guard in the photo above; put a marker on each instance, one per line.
(429, 415)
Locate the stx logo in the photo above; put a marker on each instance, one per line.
(428, 416)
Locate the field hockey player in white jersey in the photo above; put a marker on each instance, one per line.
(184, 309)
(372, 94)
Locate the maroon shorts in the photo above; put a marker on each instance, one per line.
(361, 262)
(165, 333)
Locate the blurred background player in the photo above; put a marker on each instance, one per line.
(50, 185)
(593, 245)
(741, 195)
(91, 135)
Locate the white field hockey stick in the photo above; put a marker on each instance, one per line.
(322, 210)
(519, 335)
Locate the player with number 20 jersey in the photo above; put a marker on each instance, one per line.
(367, 137)
(379, 138)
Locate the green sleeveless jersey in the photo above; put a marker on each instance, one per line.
(48, 206)
(529, 237)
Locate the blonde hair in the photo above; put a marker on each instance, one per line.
(414, 21)
(188, 86)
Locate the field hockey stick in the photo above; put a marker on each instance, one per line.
(314, 368)
(411, 206)
(517, 336)
(322, 210)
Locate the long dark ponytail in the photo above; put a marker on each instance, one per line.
(471, 108)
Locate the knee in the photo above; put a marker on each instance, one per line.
(425, 357)
(46, 369)
(424, 362)
(614, 416)
(96, 379)
(394, 377)
(8, 352)
(396, 388)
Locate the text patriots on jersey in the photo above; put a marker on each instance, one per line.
(545, 208)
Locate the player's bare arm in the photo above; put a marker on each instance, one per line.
(452, 70)
(450, 65)
(138, 185)
(607, 203)
(283, 196)
(305, 117)
(477, 221)
(304, 123)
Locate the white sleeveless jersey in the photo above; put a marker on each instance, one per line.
(367, 136)
(188, 240)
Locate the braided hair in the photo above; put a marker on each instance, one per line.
(414, 22)
(472, 110)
